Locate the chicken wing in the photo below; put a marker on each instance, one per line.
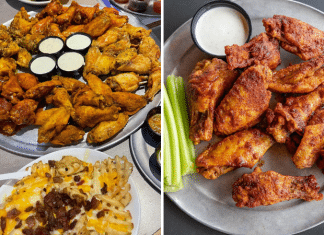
(88, 116)
(267, 188)
(23, 113)
(105, 130)
(295, 36)
(21, 24)
(207, 84)
(8, 127)
(12, 91)
(127, 82)
(42, 89)
(23, 58)
(67, 17)
(69, 135)
(149, 48)
(59, 98)
(72, 29)
(294, 115)
(97, 63)
(139, 64)
(42, 115)
(4, 34)
(5, 108)
(54, 30)
(98, 25)
(248, 99)
(136, 33)
(7, 66)
(8, 49)
(88, 97)
(26, 80)
(299, 78)
(41, 27)
(30, 42)
(70, 84)
(100, 88)
(129, 102)
(243, 149)
(52, 9)
(84, 15)
(109, 37)
(116, 19)
(116, 48)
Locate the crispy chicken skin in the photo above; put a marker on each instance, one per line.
(111, 36)
(72, 29)
(261, 49)
(30, 42)
(43, 115)
(295, 36)
(98, 25)
(105, 130)
(8, 49)
(129, 102)
(148, 48)
(124, 82)
(54, 30)
(299, 78)
(69, 135)
(59, 98)
(42, 89)
(21, 24)
(242, 149)
(23, 58)
(139, 64)
(5, 108)
(70, 84)
(97, 63)
(12, 91)
(53, 8)
(294, 115)
(207, 84)
(84, 15)
(67, 17)
(100, 88)
(41, 27)
(267, 188)
(245, 103)
(7, 66)
(153, 83)
(26, 80)
(88, 97)
(23, 113)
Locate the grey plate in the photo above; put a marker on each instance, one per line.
(25, 141)
(144, 155)
(210, 201)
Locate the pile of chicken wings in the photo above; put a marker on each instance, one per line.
(121, 58)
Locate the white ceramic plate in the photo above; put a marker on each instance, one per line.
(210, 201)
(37, 3)
(25, 141)
(91, 156)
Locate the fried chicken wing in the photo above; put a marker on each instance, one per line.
(8, 127)
(149, 48)
(139, 64)
(207, 84)
(97, 63)
(105, 130)
(136, 32)
(295, 36)
(41, 27)
(129, 102)
(294, 115)
(153, 83)
(299, 78)
(12, 91)
(116, 19)
(67, 17)
(72, 29)
(7, 66)
(26, 80)
(126, 56)
(267, 188)
(8, 49)
(259, 50)
(118, 47)
(42, 89)
(248, 99)
(243, 149)
(21, 24)
(88, 116)
(54, 30)
(54, 125)
(109, 37)
(98, 25)
(70, 84)
(69, 135)
(5, 108)
(84, 15)
(23, 58)
(42, 115)
(30, 42)
(127, 82)
(86, 96)
(59, 98)
(23, 113)
(4, 34)
(100, 88)
(52, 9)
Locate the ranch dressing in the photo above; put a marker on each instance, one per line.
(78, 42)
(70, 61)
(42, 65)
(219, 27)
(51, 45)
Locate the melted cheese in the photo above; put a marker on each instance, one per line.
(109, 179)
(98, 225)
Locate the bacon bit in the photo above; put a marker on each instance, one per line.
(29, 209)
(28, 231)
(57, 179)
(19, 224)
(3, 223)
(48, 175)
(104, 189)
(94, 203)
(30, 221)
(77, 178)
(72, 225)
(100, 214)
(13, 213)
(81, 182)
(51, 163)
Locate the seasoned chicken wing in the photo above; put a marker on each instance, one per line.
(116, 19)
(100, 88)
(30, 42)
(59, 98)
(105, 130)
(125, 56)
(21, 24)
(86, 96)
(243, 149)
(23, 58)
(115, 48)
(295, 36)
(7, 66)
(259, 50)
(8, 127)
(69, 135)
(26, 80)
(52, 9)
(41, 27)
(294, 115)
(54, 30)
(299, 78)
(139, 64)
(98, 25)
(23, 113)
(8, 49)
(148, 48)
(5, 108)
(84, 15)
(42, 115)
(207, 84)
(70, 84)
(67, 17)
(97, 63)
(136, 33)
(88, 116)
(248, 99)
(72, 29)
(153, 83)
(129, 102)
(124, 81)
(111, 36)
(4, 34)
(267, 188)
(42, 89)
(12, 91)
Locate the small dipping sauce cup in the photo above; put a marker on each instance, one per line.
(70, 64)
(51, 45)
(43, 66)
(153, 120)
(79, 42)
(218, 24)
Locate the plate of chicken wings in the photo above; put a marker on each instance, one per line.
(120, 82)
(256, 120)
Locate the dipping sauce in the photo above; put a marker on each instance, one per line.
(51, 45)
(219, 27)
(155, 123)
(42, 65)
(78, 41)
(70, 61)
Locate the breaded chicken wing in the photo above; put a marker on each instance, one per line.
(244, 104)
(148, 48)
(69, 135)
(30, 42)
(8, 49)
(299, 78)
(295, 36)
(261, 49)
(26, 80)
(23, 58)
(41, 27)
(98, 25)
(124, 82)
(129, 102)
(243, 149)
(21, 24)
(97, 63)
(207, 84)
(267, 188)
(4, 34)
(23, 113)
(7, 66)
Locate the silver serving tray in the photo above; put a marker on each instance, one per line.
(210, 201)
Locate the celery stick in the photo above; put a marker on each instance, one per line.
(187, 165)
(174, 142)
(167, 161)
(168, 188)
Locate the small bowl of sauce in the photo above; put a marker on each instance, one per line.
(70, 64)
(51, 46)
(43, 66)
(153, 120)
(218, 24)
(79, 42)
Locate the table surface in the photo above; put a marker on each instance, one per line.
(175, 220)
(150, 198)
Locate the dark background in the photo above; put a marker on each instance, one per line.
(177, 12)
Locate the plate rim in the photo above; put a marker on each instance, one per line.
(174, 199)
(35, 3)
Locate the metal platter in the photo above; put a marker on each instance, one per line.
(25, 141)
(210, 201)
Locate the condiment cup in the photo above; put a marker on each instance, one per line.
(212, 5)
(46, 75)
(81, 50)
(75, 72)
(55, 53)
(151, 113)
